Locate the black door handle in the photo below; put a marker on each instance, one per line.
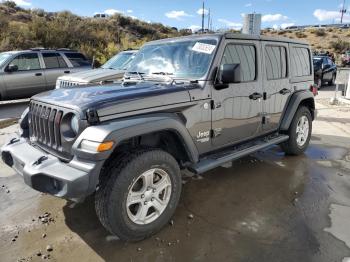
(284, 91)
(66, 72)
(255, 96)
(38, 74)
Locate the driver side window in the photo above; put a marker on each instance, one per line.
(26, 62)
(242, 54)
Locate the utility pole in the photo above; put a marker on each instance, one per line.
(203, 18)
(209, 20)
(342, 12)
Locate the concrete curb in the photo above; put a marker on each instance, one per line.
(344, 100)
(8, 122)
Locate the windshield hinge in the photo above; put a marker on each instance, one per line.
(92, 116)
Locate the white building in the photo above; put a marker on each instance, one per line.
(252, 24)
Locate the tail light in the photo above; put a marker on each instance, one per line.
(314, 89)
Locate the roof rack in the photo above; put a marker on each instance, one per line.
(48, 49)
(37, 48)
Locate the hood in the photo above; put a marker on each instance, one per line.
(117, 98)
(94, 75)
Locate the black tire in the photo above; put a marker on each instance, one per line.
(332, 82)
(319, 83)
(291, 147)
(111, 197)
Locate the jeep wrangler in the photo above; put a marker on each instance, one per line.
(195, 103)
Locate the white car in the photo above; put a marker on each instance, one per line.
(112, 70)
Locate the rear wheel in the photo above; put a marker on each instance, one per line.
(139, 195)
(299, 132)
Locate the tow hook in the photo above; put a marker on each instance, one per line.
(40, 160)
(13, 140)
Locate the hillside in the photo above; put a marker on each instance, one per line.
(334, 40)
(101, 38)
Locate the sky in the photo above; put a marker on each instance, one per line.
(226, 14)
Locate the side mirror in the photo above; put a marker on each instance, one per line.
(229, 73)
(11, 68)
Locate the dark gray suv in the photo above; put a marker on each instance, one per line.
(26, 73)
(195, 103)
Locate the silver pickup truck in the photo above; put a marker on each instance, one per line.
(26, 73)
(111, 71)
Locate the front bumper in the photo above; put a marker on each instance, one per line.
(46, 173)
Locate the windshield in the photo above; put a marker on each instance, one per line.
(181, 59)
(4, 57)
(120, 61)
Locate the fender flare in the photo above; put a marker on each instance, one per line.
(292, 106)
(123, 129)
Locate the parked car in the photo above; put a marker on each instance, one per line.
(112, 70)
(196, 102)
(345, 59)
(26, 73)
(325, 71)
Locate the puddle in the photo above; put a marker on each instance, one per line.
(340, 223)
(316, 152)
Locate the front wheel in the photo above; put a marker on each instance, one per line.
(299, 132)
(139, 194)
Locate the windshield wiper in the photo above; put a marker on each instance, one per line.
(139, 74)
(162, 73)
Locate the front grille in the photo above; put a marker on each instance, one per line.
(44, 126)
(66, 83)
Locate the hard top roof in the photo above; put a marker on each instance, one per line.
(232, 36)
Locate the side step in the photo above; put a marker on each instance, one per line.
(222, 158)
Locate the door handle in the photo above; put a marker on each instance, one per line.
(284, 91)
(255, 96)
(38, 74)
(66, 72)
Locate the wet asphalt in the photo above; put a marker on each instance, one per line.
(266, 207)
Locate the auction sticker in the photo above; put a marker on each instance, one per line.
(203, 48)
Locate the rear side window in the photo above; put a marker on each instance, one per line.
(77, 59)
(54, 60)
(300, 60)
(245, 55)
(26, 62)
(276, 62)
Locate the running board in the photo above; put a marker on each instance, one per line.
(224, 157)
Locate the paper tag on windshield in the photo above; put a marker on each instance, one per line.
(203, 48)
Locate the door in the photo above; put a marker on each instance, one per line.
(55, 66)
(330, 69)
(276, 83)
(236, 113)
(28, 80)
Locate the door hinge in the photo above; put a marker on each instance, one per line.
(212, 106)
(211, 133)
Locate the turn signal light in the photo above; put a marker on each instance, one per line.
(93, 146)
(105, 146)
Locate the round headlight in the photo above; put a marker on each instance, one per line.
(74, 123)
